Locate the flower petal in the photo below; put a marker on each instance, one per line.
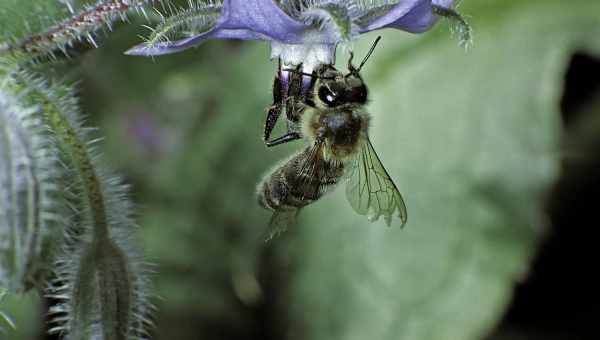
(240, 19)
(333, 20)
(170, 47)
(413, 16)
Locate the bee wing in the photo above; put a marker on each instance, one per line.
(369, 188)
(280, 221)
(308, 165)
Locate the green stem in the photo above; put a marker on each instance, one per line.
(77, 153)
(73, 148)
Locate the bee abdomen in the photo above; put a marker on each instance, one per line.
(289, 186)
(272, 192)
(275, 193)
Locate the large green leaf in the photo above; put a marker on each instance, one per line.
(471, 140)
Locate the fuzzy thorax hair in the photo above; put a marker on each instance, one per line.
(342, 130)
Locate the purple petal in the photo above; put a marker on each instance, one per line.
(170, 47)
(413, 16)
(263, 17)
(240, 19)
(444, 3)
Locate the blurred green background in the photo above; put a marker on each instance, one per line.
(476, 141)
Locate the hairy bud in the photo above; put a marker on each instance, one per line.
(98, 275)
(26, 203)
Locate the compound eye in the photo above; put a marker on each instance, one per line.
(359, 94)
(326, 96)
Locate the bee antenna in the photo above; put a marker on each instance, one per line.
(362, 63)
(351, 67)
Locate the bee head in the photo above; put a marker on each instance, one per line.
(334, 89)
(340, 91)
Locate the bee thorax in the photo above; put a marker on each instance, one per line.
(342, 129)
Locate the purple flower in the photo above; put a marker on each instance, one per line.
(300, 31)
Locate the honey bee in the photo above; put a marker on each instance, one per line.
(335, 124)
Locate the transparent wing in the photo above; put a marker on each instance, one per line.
(279, 223)
(369, 188)
(308, 165)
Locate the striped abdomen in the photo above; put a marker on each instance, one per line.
(298, 182)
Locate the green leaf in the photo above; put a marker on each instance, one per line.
(471, 140)
(20, 18)
(5, 320)
(20, 309)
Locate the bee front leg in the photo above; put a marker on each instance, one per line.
(286, 95)
(272, 117)
(277, 106)
(288, 137)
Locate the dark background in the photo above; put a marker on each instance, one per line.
(559, 299)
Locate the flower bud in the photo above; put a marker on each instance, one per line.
(25, 200)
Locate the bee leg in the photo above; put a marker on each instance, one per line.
(276, 108)
(272, 117)
(288, 137)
